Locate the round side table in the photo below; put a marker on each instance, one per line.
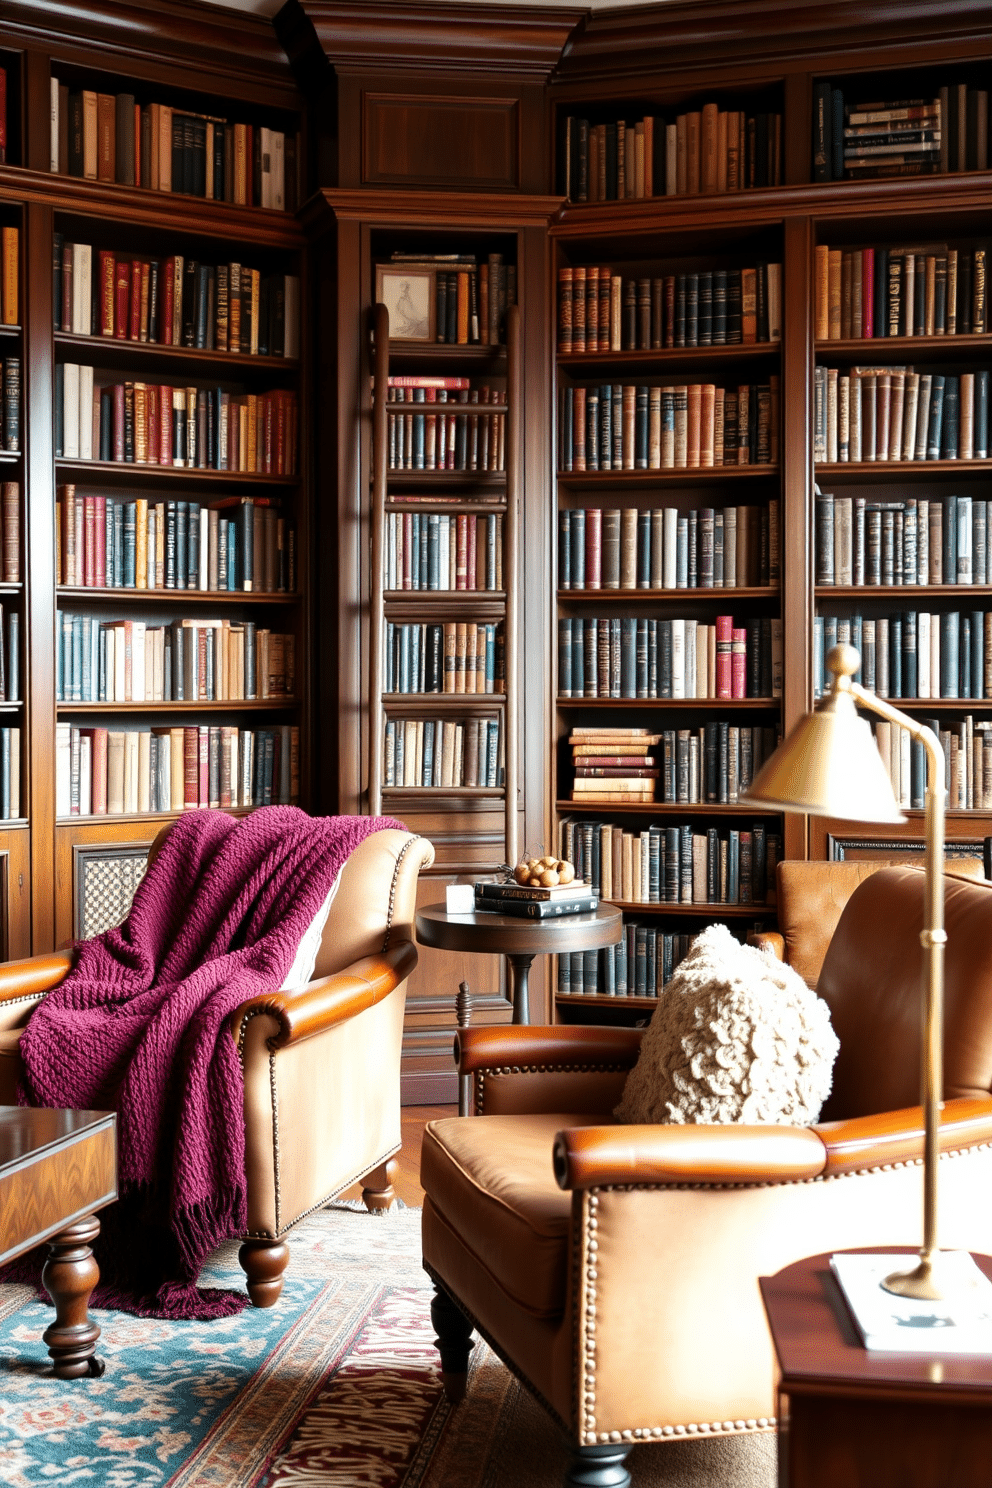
(519, 940)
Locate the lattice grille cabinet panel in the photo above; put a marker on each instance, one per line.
(106, 879)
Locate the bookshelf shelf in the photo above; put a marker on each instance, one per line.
(481, 606)
(887, 591)
(659, 808)
(592, 480)
(671, 704)
(704, 908)
(114, 352)
(9, 332)
(603, 1000)
(580, 364)
(10, 457)
(444, 702)
(879, 350)
(114, 472)
(438, 354)
(172, 597)
(227, 705)
(666, 596)
(438, 793)
(457, 479)
(869, 471)
(138, 818)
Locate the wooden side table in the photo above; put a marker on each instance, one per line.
(519, 940)
(56, 1169)
(870, 1420)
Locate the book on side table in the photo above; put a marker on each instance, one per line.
(535, 903)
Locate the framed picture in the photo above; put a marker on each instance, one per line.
(906, 851)
(407, 291)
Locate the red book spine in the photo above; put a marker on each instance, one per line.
(122, 297)
(191, 772)
(270, 440)
(868, 293)
(738, 665)
(89, 542)
(134, 327)
(579, 435)
(165, 426)
(119, 421)
(724, 638)
(107, 279)
(100, 520)
(461, 553)
(594, 547)
(168, 302)
(473, 553)
(203, 792)
(152, 407)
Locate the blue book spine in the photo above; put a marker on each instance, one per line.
(977, 654)
(130, 510)
(949, 432)
(909, 655)
(641, 653)
(950, 631)
(117, 546)
(13, 657)
(60, 660)
(949, 527)
(652, 658)
(182, 535)
(390, 667)
(733, 867)
(578, 658)
(77, 660)
(578, 549)
(605, 428)
(818, 680)
(592, 428)
(964, 657)
(420, 553)
(857, 641)
(110, 578)
(682, 553)
(664, 658)
(194, 546)
(644, 550)
(564, 658)
(896, 658)
(564, 561)
(981, 437)
(881, 307)
(628, 658)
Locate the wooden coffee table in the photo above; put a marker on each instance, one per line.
(847, 1416)
(56, 1169)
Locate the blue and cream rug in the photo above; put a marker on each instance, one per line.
(336, 1385)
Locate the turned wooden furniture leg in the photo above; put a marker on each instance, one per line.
(377, 1187)
(70, 1273)
(263, 1262)
(598, 1467)
(463, 1015)
(454, 1343)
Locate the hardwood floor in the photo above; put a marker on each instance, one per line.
(407, 1184)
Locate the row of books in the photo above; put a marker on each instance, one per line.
(912, 654)
(10, 404)
(10, 269)
(458, 656)
(115, 772)
(113, 137)
(896, 413)
(940, 540)
(711, 765)
(10, 532)
(599, 310)
(928, 290)
(470, 297)
(10, 656)
(174, 301)
(702, 151)
(197, 428)
(663, 548)
(625, 657)
(639, 966)
(899, 137)
(236, 543)
(439, 753)
(967, 748)
(672, 865)
(453, 440)
(10, 774)
(442, 551)
(189, 660)
(626, 426)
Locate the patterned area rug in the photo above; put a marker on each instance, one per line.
(336, 1385)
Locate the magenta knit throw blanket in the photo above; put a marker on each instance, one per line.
(138, 1027)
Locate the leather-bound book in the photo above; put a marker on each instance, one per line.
(709, 129)
(707, 397)
(749, 306)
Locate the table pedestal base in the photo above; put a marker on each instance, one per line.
(885, 1444)
(520, 965)
(69, 1275)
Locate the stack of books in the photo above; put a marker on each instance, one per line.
(614, 764)
(529, 903)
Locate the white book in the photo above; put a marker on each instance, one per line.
(53, 149)
(85, 775)
(670, 564)
(70, 410)
(85, 437)
(131, 772)
(443, 552)
(703, 689)
(15, 772)
(137, 662)
(923, 654)
(934, 655)
(691, 628)
(118, 672)
(204, 547)
(678, 658)
(144, 770)
(906, 1325)
(905, 767)
(63, 768)
(82, 288)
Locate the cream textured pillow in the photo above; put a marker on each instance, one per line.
(737, 1036)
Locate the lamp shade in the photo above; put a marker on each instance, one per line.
(828, 765)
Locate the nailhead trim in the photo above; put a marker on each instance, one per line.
(537, 1069)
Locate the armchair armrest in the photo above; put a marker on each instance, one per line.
(329, 1000)
(768, 940)
(897, 1136)
(599, 1156)
(550, 1047)
(34, 976)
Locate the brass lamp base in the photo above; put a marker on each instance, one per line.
(920, 1283)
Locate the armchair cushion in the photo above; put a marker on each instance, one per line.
(737, 1036)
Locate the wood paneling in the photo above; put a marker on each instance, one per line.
(452, 143)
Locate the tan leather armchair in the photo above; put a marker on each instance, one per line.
(615, 1268)
(811, 900)
(321, 1064)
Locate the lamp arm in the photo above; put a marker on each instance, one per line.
(933, 938)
